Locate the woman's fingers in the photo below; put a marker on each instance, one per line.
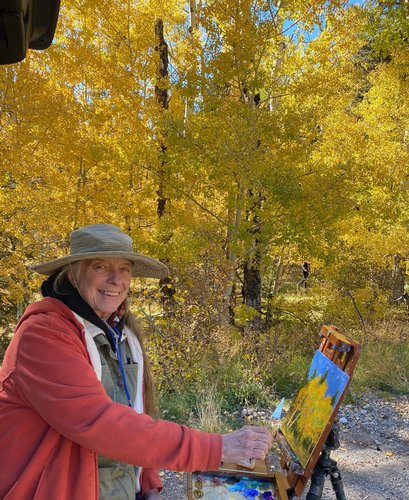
(246, 443)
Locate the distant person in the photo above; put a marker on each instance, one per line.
(76, 392)
(405, 299)
(306, 269)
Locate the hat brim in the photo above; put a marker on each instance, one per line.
(143, 266)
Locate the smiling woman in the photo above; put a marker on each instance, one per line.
(103, 284)
(75, 384)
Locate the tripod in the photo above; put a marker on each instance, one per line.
(327, 466)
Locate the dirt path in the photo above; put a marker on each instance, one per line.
(373, 457)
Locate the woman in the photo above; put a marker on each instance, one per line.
(76, 390)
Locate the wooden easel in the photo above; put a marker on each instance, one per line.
(344, 353)
(291, 480)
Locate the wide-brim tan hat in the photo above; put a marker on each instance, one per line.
(102, 241)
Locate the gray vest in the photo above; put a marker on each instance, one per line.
(117, 481)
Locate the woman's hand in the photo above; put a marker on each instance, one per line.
(246, 443)
(152, 495)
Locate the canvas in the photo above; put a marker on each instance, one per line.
(313, 406)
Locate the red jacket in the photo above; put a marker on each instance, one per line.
(55, 416)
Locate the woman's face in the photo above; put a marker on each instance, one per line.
(103, 283)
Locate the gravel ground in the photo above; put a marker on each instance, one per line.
(373, 457)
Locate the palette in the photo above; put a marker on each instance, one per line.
(233, 482)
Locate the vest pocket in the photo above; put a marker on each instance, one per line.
(131, 374)
(117, 483)
(107, 381)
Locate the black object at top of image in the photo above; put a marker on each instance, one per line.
(26, 24)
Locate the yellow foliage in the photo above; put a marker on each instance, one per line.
(275, 142)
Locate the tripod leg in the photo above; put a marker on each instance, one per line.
(336, 481)
(317, 485)
(321, 471)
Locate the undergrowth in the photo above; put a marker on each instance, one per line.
(258, 370)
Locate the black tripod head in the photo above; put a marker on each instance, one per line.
(332, 441)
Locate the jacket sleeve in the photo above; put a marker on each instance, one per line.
(54, 378)
(150, 479)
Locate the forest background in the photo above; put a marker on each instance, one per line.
(234, 141)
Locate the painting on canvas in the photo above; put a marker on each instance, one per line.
(313, 406)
